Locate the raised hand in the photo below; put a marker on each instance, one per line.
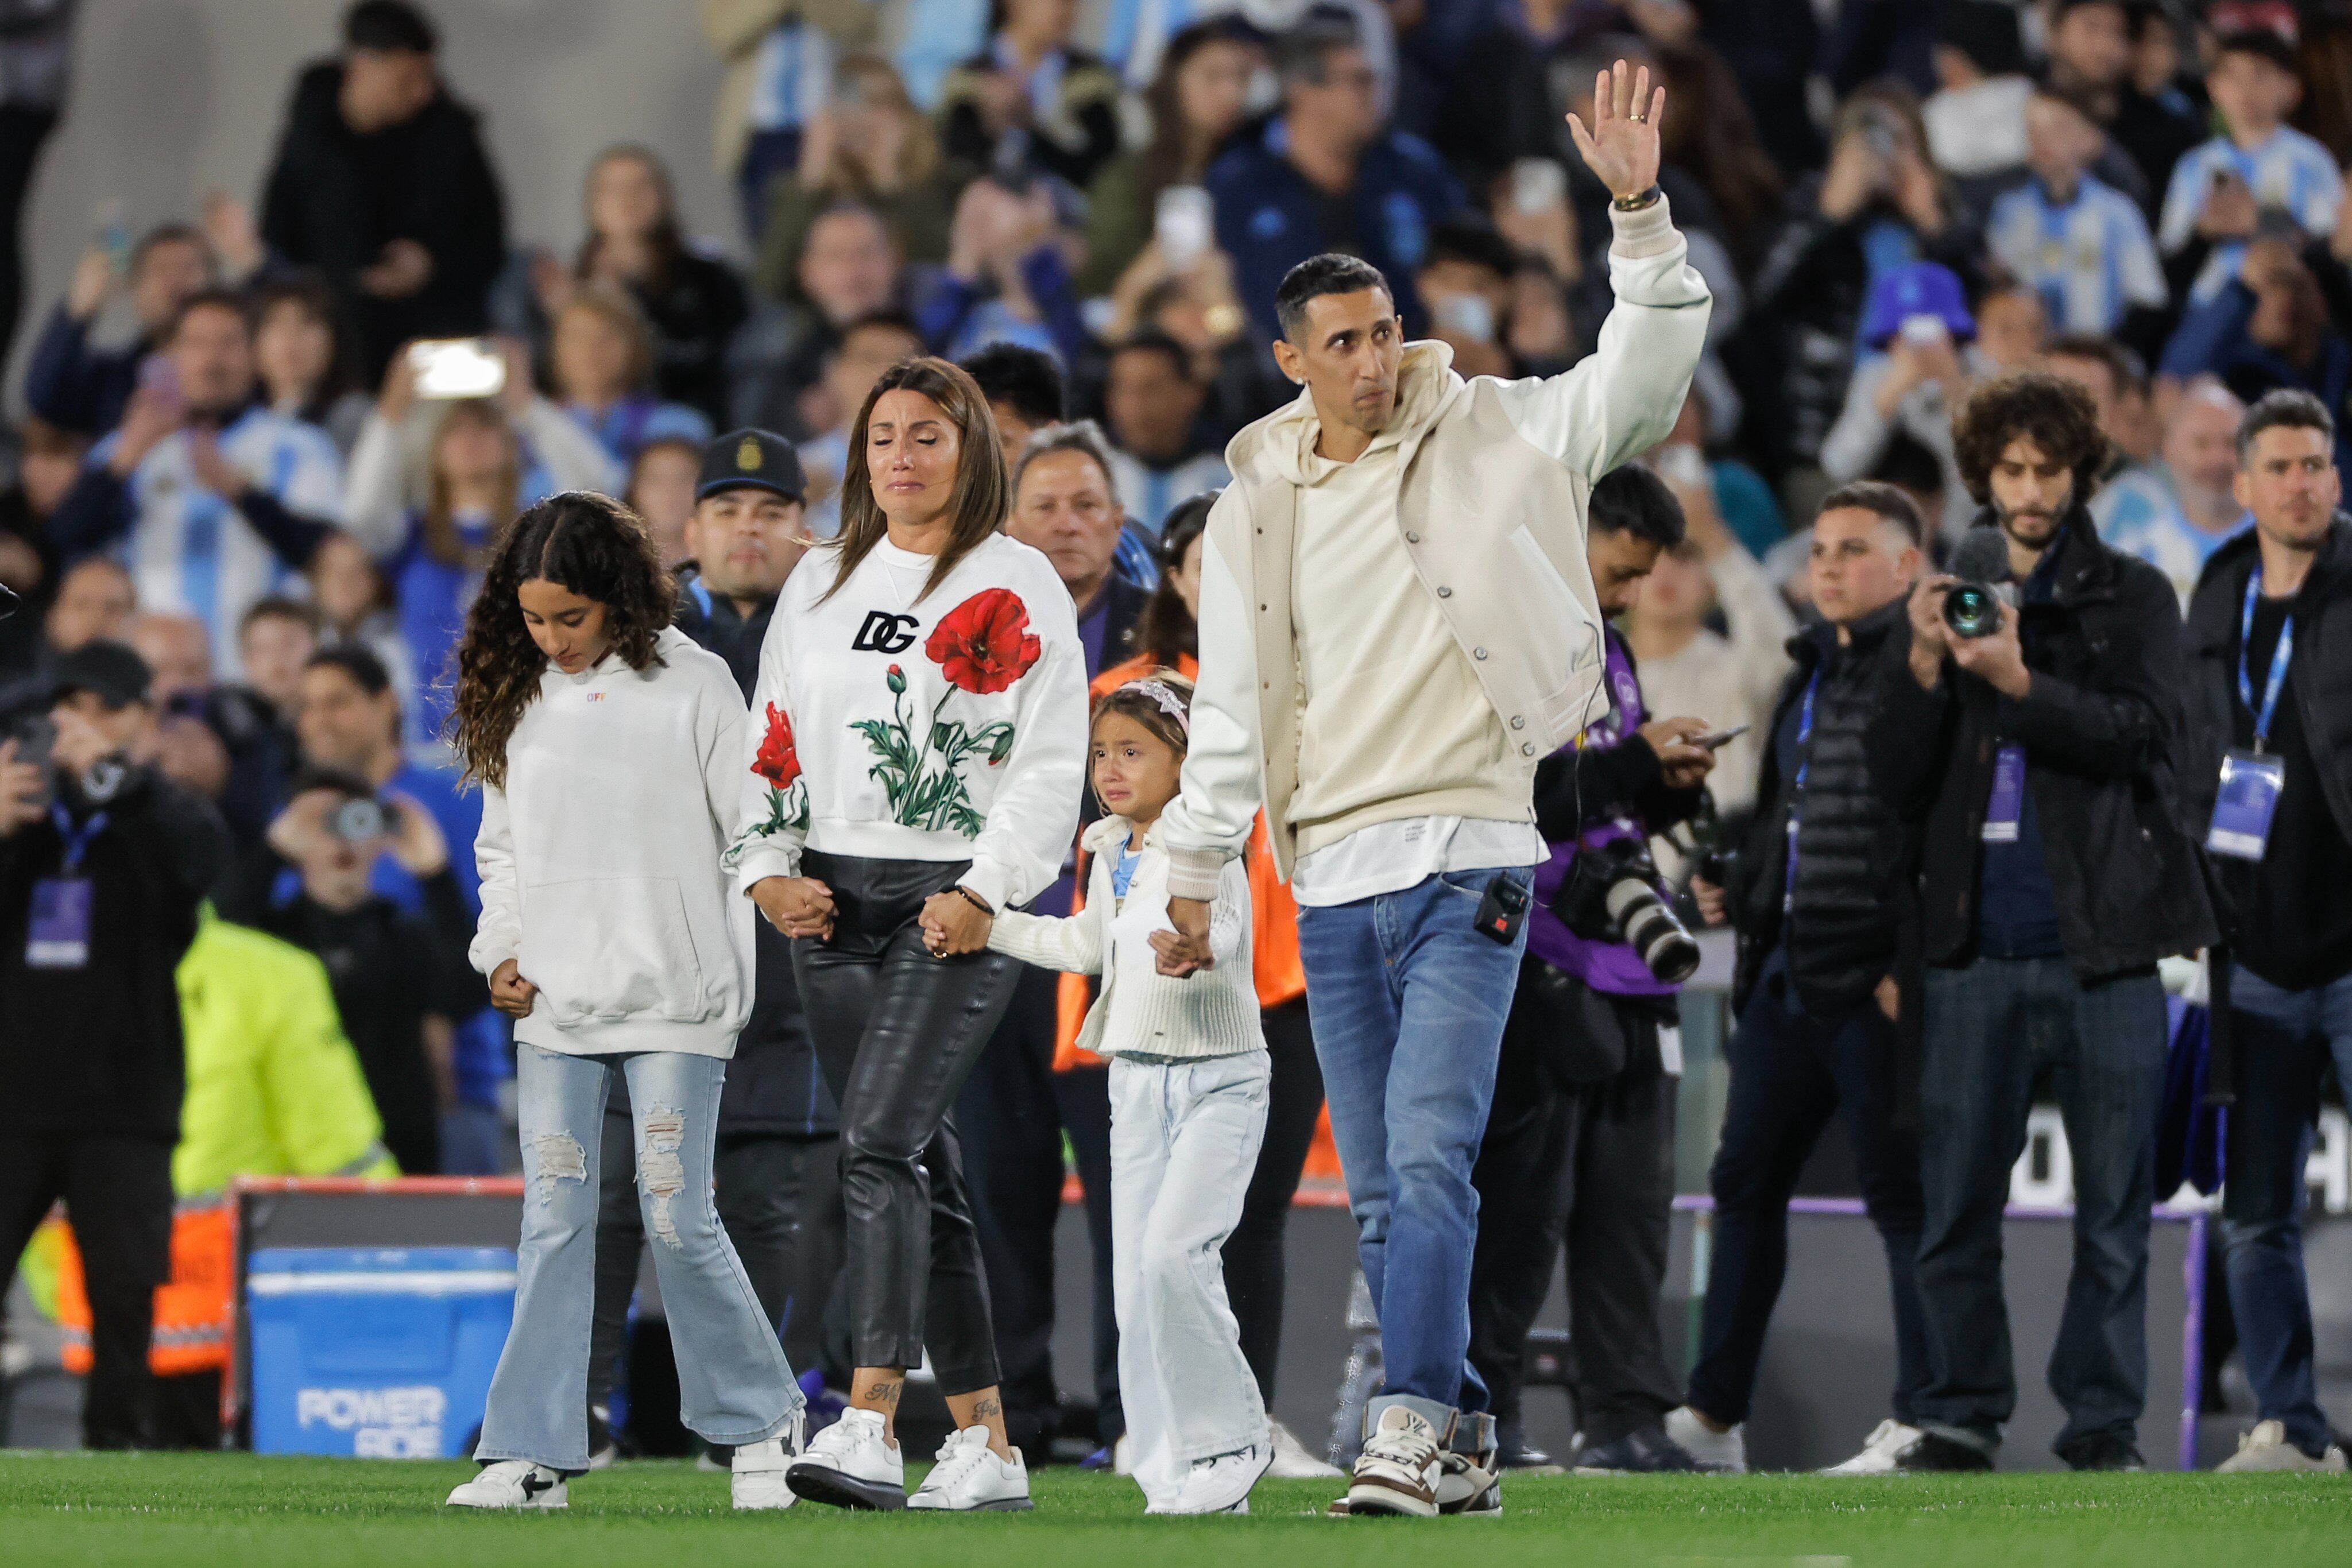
(1622, 145)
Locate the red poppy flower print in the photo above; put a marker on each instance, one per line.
(778, 762)
(985, 645)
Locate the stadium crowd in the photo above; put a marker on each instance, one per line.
(268, 446)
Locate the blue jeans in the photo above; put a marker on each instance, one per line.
(1408, 1003)
(2285, 1042)
(734, 1385)
(1991, 1030)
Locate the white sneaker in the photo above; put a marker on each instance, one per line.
(511, 1483)
(971, 1477)
(1293, 1462)
(2266, 1449)
(1398, 1470)
(1880, 1450)
(1222, 1484)
(1724, 1452)
(757, 1473)
(851, 1464)
(1122, 1456)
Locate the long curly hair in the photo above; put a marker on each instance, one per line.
(2057, 415)
(593, 546)
(982, 493)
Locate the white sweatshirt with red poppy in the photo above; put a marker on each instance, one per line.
(891, 724)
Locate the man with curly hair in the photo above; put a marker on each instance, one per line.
(2055, 870)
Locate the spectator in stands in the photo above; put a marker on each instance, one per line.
(2266, 328)
(275, 641)
(255, 719)
(1976, 118)
(636, 243)
(661, 492)
(355, 607)
(1912, 372)
(102, 865)
(867, 348)
(35, 56)
(2175, 513)
(242, 770)
(602, 356)
(2219, 192)
(77, 386)
(96, 599)
(1008, 277)
(849, 268)
(303, 360)
(1716, 147)
(1879, 207)
(1326, 175)
(212, 499)
(390, 967)
(1736, 493)
(1024, 389)
(1198, 98)
(2089, 44)
(2012, 328)
(48, 461)
(746, 531)
(1730, 677)
(1497, 105)
(1197, 307)
(1159, 456)
(2118, 381)
(1033, 102)
(1466, 283)
(778, 54)
(868, 144)
(2079, 242)
(382, 183)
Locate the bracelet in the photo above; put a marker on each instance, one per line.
(1638, 200)
(976, 901)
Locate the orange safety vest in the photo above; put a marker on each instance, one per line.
(1274, 947)
(195, 1308)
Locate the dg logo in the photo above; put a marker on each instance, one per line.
(883, 632)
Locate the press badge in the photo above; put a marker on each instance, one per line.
(58, 937)
(2007, 802)
(2248, 799)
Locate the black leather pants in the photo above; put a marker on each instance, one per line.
(897, 1032)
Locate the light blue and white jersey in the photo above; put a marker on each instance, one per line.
(1149, 494)
(2289, 171)
(792, 76)
(2090, 258)
(939, 35)
(189, 549)
(2139, 514)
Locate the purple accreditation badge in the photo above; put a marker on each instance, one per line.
(58, 937)
(2243, 809)
(2006, 804)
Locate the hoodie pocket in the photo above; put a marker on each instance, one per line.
(612, 947)
(1565, 645)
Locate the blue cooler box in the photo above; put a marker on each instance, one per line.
(374, 1353)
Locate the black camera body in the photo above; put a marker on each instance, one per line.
(1611, 895)
(1972, 610)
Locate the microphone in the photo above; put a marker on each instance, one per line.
(1972, 607)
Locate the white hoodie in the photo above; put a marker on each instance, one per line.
(600, 858)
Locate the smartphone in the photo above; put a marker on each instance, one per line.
(1719, 738)
(1184, 223)
(456, 367)
(1470, 316)
(1537, 185)
(113, 237)
(1924, 330)
(1680, 464)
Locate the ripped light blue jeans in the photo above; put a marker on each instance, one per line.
(734, 1385)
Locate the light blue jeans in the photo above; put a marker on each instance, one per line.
(734, 1385)
(1408, 1003)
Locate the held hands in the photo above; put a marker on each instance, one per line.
(1621, 146)
(795, 905)
(509, 992)
(954, 926)
(1184, 951)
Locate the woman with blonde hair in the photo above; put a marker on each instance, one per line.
(601, 356)
(871, 145)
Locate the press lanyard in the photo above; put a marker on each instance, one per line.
(2277, 677)
(1796, 794)
(76, 838)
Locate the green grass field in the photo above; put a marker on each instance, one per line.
(195, 1511)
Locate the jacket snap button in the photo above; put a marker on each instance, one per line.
(1445, 593)
(1412, 539)
(1477, 652)
(1518, 722)
(1527, 748)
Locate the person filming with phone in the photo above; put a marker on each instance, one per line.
(102, 864)
(2035, 743)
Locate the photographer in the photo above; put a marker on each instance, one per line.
(1579, 1144)
(2036, 743)
(1815, 889)
(2270, 674)
(102, 864)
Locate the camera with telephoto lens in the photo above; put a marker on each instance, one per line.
(1611, 895)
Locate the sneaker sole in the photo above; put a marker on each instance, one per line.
(821, 1483)
(1240, 1499)
(1000, 1505)
(1386, 1501)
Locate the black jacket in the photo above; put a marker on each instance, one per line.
(99, 1049)
(1854, 850)
(334, 199)
(2323, 671)
(773, 1086)
(2102, 731)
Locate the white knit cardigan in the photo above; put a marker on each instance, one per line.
(1140, 1011)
